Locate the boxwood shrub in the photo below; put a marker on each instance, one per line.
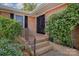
(10, 29)
(61, 24)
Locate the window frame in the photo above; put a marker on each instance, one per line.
(23, 19)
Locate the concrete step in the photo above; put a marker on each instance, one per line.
(39, 40)
(43, 50)
(39, 45)
(26, 54)
(42, 44)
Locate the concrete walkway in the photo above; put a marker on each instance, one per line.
(53, 53)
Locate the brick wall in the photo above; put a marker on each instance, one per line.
(55, 10)
(5, 14)
(32, 23)
(75, 37)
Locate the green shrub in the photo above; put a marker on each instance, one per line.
(9, 31)
(61, 24)
(9, 48)
(9, 28)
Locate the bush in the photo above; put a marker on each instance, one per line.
(9, 48)
(9, 31)
(9, 28)
(61, 24)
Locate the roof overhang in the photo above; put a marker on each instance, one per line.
(43, 8)
(39, 10)
(12, 10)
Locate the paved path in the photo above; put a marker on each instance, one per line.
(53, 53)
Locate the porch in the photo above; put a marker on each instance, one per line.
(34, 34)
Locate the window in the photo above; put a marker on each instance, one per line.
(20, 19)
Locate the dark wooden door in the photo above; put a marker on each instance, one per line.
(41, 24)
(26, 21)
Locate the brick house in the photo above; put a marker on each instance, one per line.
(30, 20)
(35, 21)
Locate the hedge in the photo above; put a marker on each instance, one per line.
(9, 28)
(61, 24)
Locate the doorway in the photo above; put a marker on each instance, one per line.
(41, 24)
(26, 21)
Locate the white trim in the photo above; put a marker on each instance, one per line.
(23, 21)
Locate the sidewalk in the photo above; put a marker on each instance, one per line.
(53, 53)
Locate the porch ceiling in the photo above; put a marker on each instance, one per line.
(42, 8)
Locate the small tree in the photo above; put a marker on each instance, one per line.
(29, 6)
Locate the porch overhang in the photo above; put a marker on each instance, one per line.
(43, 8)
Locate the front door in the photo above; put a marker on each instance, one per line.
(41, 24)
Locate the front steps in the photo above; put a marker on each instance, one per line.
(42, 44)
(43, 50)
